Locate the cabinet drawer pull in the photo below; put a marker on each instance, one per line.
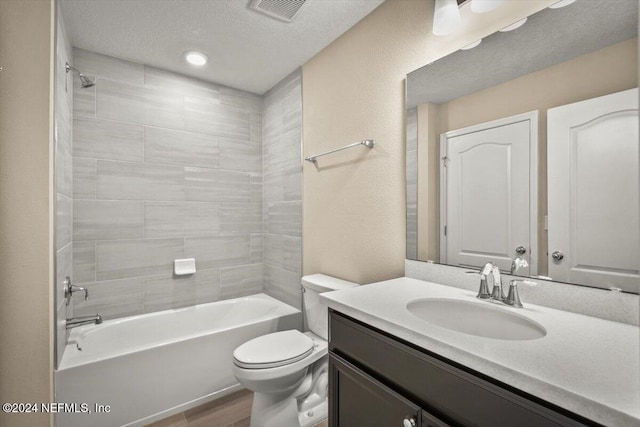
(409, 422)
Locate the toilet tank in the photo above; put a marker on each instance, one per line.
(315, 311)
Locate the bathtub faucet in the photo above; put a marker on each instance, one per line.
(74, 322)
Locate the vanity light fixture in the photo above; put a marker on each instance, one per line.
(446, 17)
(471, 45)
(514, 26)
(484, 6)
(196, 58)
(561, 3)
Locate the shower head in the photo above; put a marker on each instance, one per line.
(84, 80)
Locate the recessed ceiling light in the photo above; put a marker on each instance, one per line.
(471, 45)
(513, 26)
(561, 3)
(196, 58)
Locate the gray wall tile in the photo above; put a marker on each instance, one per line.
(107, 67)
(169, 167)
(256, 188)
(111, 299)
(241, 99)
(180, 148)
(136, 104)
(176, 219)
(106, 139)
(119, 259)
(64, 170)
(281, 181)
(240, 218)
(241, 280)
(136, 181)
(84, 98)
(210, 117)
(211, 185)
(180, 85)
(107, 219)
(217, 251)
(257, 244)
(283, 285)
(84, 178)
(64, 220)
(284, 252)
(163, 293)
(285, 218)
(84, 262)
(240, 155)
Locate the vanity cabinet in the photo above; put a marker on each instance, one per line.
(377, 379)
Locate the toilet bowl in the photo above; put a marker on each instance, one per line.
(288, 370)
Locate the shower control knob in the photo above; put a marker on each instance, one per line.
(409, 422)
(521, 250)
(557, 255)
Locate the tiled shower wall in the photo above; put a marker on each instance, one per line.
(282, 130)
(165, 167)
(63, 179)
(412, 183)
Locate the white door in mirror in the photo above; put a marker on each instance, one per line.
(488, 179)
(593, 186)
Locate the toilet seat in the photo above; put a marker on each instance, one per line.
(273, 350)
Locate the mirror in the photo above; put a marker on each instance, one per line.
(525, 148)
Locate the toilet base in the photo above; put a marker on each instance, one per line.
(274, 410)
(271, 410)
(314, 416)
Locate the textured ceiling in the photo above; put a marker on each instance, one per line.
(247, 50)
(549, 37)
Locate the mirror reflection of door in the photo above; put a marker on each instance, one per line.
(488, 195)
(594, 219)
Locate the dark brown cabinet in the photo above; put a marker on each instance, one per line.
(379, 380)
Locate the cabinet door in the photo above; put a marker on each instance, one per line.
(356, 399)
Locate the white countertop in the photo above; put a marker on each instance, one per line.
(584, 364)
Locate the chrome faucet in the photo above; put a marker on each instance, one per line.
(489, 269)
(517, 263)
(496, 293)
(74, 322)
(513, 298)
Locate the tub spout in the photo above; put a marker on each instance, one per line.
(74, 322)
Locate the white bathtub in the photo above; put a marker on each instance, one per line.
(150, 366)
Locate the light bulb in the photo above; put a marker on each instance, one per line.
(484, 6)
(446, 17)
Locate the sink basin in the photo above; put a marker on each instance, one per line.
(481, 319)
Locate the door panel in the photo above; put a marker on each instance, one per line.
(487, 196)
(594, 219)
(359, 400)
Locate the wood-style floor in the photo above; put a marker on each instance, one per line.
(229, 411)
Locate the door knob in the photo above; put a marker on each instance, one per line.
(409, 422)
(521, 250)
(557, 255)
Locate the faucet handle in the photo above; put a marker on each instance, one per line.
(513, 298)
(70, 288)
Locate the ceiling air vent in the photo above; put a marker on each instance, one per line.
(282, 10)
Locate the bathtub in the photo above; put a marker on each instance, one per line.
(150, 366)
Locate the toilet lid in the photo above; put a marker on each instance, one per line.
(272, 350)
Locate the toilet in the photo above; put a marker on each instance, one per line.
(288, 370)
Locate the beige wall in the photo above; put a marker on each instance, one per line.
(354, 202)
(608, 70)
(26, 305)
